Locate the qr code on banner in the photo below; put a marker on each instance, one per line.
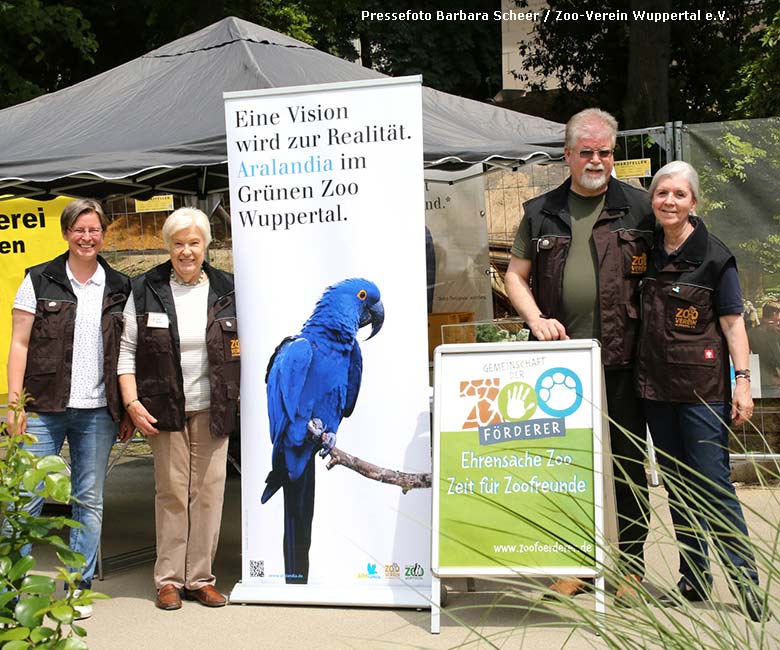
(257, 568)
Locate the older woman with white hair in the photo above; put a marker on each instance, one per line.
(691, 324)
(179, 375)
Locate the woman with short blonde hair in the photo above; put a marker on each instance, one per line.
(179, 374)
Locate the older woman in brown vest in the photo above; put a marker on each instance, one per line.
(179, 375)
(692, 322)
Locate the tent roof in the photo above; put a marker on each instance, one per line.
(157, 123)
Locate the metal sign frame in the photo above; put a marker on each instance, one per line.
(556, 350)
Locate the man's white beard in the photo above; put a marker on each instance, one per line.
(590, 182)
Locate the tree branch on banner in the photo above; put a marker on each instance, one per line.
(405, 480)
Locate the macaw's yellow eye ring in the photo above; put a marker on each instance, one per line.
(362, 294)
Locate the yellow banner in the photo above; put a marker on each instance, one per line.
(29, 234)
(155, 204)
(636, 168)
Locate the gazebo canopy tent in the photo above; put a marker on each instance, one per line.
(156, 124)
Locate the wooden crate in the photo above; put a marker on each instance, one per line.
(454, 334)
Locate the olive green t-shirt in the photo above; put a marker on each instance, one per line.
(580, 281)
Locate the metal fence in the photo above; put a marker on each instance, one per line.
(134, 242)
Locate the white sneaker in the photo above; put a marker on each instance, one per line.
(81, 611)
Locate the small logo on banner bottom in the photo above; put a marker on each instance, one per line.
(392, 570)
(370, 572)
(414, 571)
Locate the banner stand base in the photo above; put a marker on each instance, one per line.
(418, 597)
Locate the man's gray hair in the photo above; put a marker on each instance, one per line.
(581, 122)
(184, 218)
(677, 168)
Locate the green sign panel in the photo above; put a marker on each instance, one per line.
(516, 430)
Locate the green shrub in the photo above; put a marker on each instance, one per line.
(31, 615)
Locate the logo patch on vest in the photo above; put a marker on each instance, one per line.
(709, 353)
(686, 318)
(235, 348)
(639, 264)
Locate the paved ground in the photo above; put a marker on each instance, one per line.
(494, 615)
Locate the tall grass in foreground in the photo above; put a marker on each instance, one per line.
(512, 615)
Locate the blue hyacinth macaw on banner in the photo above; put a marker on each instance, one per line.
(312, 383)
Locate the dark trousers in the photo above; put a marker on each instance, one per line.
(692, 442)
(629, 450)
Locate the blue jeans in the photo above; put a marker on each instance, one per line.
(90, 434)
(693, 441)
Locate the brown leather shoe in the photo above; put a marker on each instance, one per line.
(168, 597)
(207, 595)
(567, 587)
(627, 593)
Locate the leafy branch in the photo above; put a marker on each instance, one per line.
(31, 615)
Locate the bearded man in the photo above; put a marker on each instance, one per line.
(577, 259)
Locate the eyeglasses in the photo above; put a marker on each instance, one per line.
(92, 232)
(587, 154)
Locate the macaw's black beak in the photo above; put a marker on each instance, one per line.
(375, 315)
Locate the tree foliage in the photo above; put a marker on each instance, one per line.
(40, 42)
(606, 61)
(738, 164)
(755, 86)
(126, 29)
(48, 46)
(456, 56)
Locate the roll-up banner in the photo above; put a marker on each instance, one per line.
(29, 234)
(327, 209)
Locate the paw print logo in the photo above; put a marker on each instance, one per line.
(559, 391)
(517, 401)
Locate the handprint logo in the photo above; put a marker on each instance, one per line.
(517, 401)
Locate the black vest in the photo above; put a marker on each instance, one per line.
(47, 376)
(158, 354)
(683, 355)
(622, 237)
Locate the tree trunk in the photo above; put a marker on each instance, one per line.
(365, 50)
(646, 102)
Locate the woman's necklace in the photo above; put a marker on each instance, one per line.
(194, 283)
(670, 247)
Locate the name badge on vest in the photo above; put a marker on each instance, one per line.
(157, 319)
